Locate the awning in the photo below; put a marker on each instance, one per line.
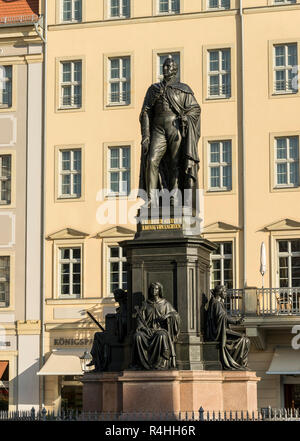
(63, 362)
(286, 361)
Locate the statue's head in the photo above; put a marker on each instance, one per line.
(155, 290)
(120, 295)
(219, 291)
(170, 68)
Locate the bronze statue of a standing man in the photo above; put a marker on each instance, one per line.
(170, 125)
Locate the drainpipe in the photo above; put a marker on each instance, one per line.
(43, 204)
(243, 143)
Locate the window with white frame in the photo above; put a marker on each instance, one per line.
(161, 58)
(119, 170)
(222, 265)
(119, 81)
(70, 270)
(5, 179)
(117, 269)
(287, 161)
(289, 263)
(218, 4)
(5, 86)
(71, 84)
(220, 165)
(71, 11)
(219, 73)
(285, 68)
(284, 2)
(4, 280)
(119, 8)
(168, 6)
(70, 173)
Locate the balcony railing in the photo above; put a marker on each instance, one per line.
(278, 301)
(263, 302)
(234, 302)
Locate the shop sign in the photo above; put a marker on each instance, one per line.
(72, 341)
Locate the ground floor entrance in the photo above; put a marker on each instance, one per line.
(292, 396)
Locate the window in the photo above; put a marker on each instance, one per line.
(287, 161)
(220, 165)
(284, 2)
(161, 60)
(119, 8)
(5, 179)
(70, 272)
(4, 281)
(168, 6)
(119, 81)
(5, 86)
(70, 173)
(289, 263)
(71, 84)
(117, 269)
(222, 265)
(219, 67)
(218, 4)
(285, 68)
(119, 170)
(71, 10)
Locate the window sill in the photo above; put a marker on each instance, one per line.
(73, 301)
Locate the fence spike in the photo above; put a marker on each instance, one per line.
(201, 414)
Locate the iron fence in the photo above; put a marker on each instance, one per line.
(267, 414)
(278, 301)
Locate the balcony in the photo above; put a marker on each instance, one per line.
(17, 20)
(264, 302)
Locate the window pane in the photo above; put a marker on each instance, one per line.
(292, 54)
(66, 72)
(114, 252)
(115, 92)
(282, 173)
(76, 253)
(295, 246)
(77, 160)
(67, 10)
(294, 178)
(126, 157)
(65, 253)
(214, 85)
(66, 184)
(283, 245)
(213, 61)
(227, 248)
(226, 60)
(126, 8)
(227, 177)
(227, 151)
(214, 152)
(281, 148)
(126, 68)
(77, 184)
(280, 55)
(294, 147)
(77, 10)
(215, 177)
(115, 68)
(163, 5)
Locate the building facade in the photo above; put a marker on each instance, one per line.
(21, 98)
(241, 61)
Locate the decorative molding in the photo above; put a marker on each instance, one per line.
(28, 327)
(67, 233)
(283, 225)
(220, 227)
(115, 232)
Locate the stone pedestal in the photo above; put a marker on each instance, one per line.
(180, 262)
(170, 391)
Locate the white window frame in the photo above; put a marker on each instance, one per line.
(170, 8)
(6, 82)
(222, 257)
(121, 81)
(72, 172)
(5, 179)
(221, 164)
(72, 84)
(120, 260)
(120, 8)
(120, 169)
(175, 55)
(288, 161)
(6, 280)
(73, 19)
(71, 261)
(286, 68)
(220, 73)
(289, 254)
(219, 6)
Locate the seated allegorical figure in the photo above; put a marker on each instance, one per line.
(234, 346)
(158, 326)
(101, 348)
